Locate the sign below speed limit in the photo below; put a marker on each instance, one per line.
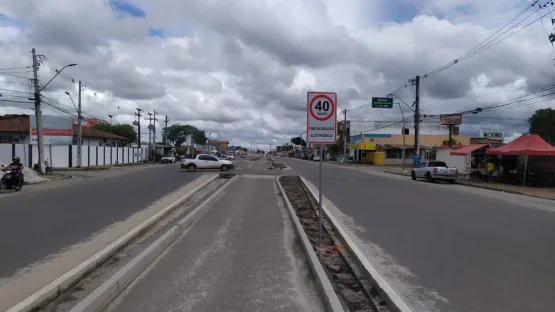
(321, 117)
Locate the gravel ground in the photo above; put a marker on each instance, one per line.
(345, 282)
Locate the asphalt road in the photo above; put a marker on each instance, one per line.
(43, 219)
(444, 248)
(240, 256)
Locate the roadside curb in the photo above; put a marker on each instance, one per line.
(370, 273)
(331, 300)
(106, 292)
(482, 187)
(50, 291)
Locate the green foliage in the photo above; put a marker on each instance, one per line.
(334, 148)
(125, 130)
(298, 141)
(453, 142)
(177, 134)
(542, 123)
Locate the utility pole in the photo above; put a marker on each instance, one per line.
(38, 113)
(219, 143)
(149, 135)
(345, 157)
(79, 129)
(166, 130)
(154, 130)
(138, 114)
(417, 117)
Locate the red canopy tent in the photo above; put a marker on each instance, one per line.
(526, 144)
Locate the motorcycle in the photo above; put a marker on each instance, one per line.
(47, 168)
(7, 183)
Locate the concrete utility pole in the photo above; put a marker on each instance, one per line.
(79, 128)
(219, 143)
(138, 114)
(149, 135)
(417, 117)
(166, 130)
(345, 157)
(38, 113)
(404, 132)
(154, 129)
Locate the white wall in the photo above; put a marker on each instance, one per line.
(444, 154)
(59, 157)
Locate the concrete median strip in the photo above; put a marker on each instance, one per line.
(330, 297)
(370, 273)
(65, 281)
(106, 292)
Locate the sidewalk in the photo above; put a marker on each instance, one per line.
(241, 256)
(546, 193)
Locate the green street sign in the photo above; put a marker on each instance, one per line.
(382, 102)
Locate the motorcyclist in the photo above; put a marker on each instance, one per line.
(16, 167)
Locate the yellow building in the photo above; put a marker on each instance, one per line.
(219, 144)
(386, 149)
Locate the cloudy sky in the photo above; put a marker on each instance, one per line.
(242, 68)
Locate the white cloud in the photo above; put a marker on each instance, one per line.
(242, 68)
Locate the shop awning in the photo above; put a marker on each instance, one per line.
(465, 150)
(525, 145)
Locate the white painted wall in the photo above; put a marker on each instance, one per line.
(58, 156)
(444, 154)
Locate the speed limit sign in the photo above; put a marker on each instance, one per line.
(321, 117)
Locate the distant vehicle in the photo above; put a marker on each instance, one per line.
(205, 161)
(168, 159)
(230, 157)
(435, 170)
(316, 158)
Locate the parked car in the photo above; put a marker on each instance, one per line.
(435, 170)
(205, 161)
(316, 158)
(167, 159)
(230, 157)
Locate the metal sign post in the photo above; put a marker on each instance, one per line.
(321, 122)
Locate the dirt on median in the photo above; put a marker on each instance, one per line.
(345, 282)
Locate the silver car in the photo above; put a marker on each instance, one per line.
(435, 170)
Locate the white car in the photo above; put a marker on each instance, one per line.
(230, 157)
(435, 170)
(205, 161)
(167, 159)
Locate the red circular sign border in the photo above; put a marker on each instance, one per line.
(332, 103)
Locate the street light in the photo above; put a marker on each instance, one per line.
(79, 130)
(400, 99)
(404, 146)
(57, 73)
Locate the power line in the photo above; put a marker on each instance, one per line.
(487, 43)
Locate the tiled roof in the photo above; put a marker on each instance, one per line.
(15, 124)
(21, 124)
(95, 133)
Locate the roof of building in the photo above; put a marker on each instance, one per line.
(22, 124)
(218, 141)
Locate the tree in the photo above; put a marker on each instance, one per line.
(542, 123)
(124, 130)
(177, 134)
(298, 141)
(453, 142)
(334, 148)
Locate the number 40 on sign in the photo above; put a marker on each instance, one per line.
(321, 117)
